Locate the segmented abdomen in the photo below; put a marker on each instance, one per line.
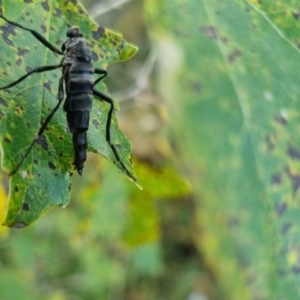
(79, 88)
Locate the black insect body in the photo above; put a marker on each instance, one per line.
(78, 79)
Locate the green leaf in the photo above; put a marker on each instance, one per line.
(43, 180)
(230, 74)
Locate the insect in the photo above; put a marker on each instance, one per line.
(78, 78)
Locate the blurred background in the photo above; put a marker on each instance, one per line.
(114, 241)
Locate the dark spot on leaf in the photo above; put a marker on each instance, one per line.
(232, 222)
(224, 40)
(28, 1)
(285, 228)
(51, 165)
(16, 189)
(276, 179)
(42, 141)
(95, 56)
(2, 102)
(210, 32)
(19, 110)
(281, 120)
(44, 28)
(100, 33)
(25, 207)
(28, 124)
(61, 154)
(7, 140)
(280, 208)
(270, 143)
(8, 30)
(196, 87)
(46, 6)
(296, 269)
(47, 86)
(234, 56)
(59, 42)
(57, 12)
(293, 153)
(69, 187)
(96, 123)
(22, 51)
(295, 181)
(19, 61)
(35, 161)
(296, 15)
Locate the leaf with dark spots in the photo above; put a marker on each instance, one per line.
(243, 162)
(44, 173)
(16, 189)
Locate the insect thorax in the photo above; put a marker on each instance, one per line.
(77, 49)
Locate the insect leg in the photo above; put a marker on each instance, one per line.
(107, 99)
(44, 125)
(101, 72)
(36, 35)
(36, 70)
